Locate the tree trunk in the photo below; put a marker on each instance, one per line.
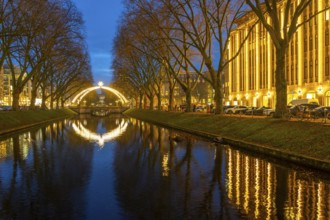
(188, 100)
(144, 102)
(159, 101)
(57, 103)
(33, 97)
(218, 97)
(15, 104)
(51, 102)
(140, 101)
(43, 103)
(151, 99)
(170, 99)
(281, 84)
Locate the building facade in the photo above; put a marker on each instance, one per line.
(6, 87)
(201, 95)
(250, 79)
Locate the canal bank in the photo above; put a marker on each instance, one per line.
(305, 143)
(11, 121)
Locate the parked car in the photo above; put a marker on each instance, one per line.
(303, 101)
(6, 108)
(320, 112)
(236, 109)
(269, 112)
(200, 109)
(302, 108)
(256, 111)
(227, 107)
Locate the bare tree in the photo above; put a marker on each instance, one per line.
(206, 25)
(33, 34)
(281, 26)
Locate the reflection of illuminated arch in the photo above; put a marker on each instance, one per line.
(83, 93)
(99, 138)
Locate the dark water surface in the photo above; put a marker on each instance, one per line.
(121, 168)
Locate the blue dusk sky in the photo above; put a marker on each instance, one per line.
(101, 20)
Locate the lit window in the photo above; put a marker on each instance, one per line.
(309, 96)
(327, 15)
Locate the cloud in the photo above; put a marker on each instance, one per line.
(103, 70)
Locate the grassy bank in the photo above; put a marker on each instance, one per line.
(295, 139)
(12, 120)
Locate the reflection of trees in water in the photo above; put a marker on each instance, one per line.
(100, 123)
(158, 178)
(47, 177)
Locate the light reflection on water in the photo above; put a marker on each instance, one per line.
(119, 168)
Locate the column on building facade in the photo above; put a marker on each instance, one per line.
(230, 69)
(269, 59)
(300, 54)
(257, 58)
(269, 67)
(246, 64)
(320, 34)
(238, 64)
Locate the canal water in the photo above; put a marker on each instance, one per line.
(122, 168)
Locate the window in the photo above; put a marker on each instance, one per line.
(311, 71)
(305, 71)
(327, 68)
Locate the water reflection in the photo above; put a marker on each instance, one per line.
(57, 172)
(37, 179)
(100, 139)
(195, 179)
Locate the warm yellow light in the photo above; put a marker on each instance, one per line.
(320, 90)
(257, 94)
(246, 95)
(83, 93)
(100, 84)
(165, 165)
(100, 139)
(269, 94)
(327, 15)
(299, 91)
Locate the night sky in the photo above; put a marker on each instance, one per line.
(101, 20)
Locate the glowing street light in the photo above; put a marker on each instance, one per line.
(100, 84)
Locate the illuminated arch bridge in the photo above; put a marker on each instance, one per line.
(77, 99)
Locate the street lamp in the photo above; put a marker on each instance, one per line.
(100, 84)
